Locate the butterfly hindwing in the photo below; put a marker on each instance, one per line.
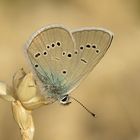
(91, 46)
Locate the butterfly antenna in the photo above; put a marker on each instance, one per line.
(94, 115)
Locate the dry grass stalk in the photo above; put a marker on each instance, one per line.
(24, 100)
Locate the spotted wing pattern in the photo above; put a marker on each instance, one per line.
(61, 59)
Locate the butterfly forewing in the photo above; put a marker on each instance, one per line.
(50, 53)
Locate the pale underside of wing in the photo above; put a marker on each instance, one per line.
(51, 55)
(91, 46)
(62, 60)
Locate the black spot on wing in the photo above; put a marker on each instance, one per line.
(76, 52)
(97, 51)
(63, 53)
(58, 43)
(37, 55)
(88, 46)
(69, 55)
(53, 45)
(45, 53)
(94, 46)
(81, 47)
(83, 60)
(36, 65)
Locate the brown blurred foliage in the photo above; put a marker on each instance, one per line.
(112, 90)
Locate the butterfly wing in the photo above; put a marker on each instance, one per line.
(50, 53)
(91, 46)
(59, 63)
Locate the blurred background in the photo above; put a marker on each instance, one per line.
(112, 90)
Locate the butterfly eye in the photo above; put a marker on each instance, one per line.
(65, 100)
(37, 55)
(97, 51)
(88, 46)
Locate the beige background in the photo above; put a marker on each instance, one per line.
(112, 90)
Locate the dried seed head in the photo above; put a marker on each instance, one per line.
(27, 88)
(27, 93)
(5, 92)
(17, 78)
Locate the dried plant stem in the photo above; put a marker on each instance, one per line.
(24, 101)
(24, 119)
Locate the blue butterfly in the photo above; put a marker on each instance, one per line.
(61, 59)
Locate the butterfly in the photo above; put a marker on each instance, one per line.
(61, 59)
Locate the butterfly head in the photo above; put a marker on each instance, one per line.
(64, 100)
